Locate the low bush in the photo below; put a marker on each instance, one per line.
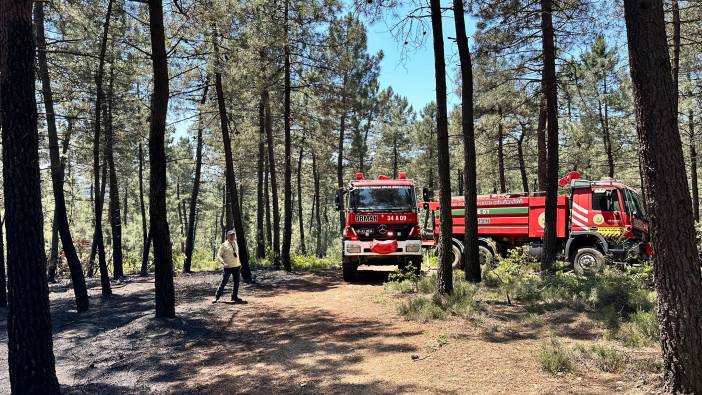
(641, 330)
(554, 357)
(430, 304)
(607, 359)
(311, 263)
(421, 308)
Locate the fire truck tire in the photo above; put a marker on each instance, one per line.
(457, 260)
(348, 269)
(587, 261)
(487, 258)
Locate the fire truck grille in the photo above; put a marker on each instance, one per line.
(383, 232)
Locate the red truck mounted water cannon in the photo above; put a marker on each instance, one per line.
(597, 222)
(381, 223)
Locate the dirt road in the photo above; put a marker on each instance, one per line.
(299, 333)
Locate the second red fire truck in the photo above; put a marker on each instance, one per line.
(598, 221)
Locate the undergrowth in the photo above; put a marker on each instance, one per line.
(426, 304)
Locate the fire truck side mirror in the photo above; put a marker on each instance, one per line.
(426, 197)
(340, 199)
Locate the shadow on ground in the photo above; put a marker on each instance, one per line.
(119, 347)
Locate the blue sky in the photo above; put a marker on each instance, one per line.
(411, 72)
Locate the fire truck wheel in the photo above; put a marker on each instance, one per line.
(349, 269)
(587, 261)
(487, 258)
(457, 260)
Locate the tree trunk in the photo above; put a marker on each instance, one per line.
(675, 261)
(274, 182)
(267, 198)
(541, 140)
(124, 206)
(113, 207)
(551, 93)
(53, 250)
(300, 217)
(675, 66)
(693, 166)
(144, 227)
(260, 201)
(470, 253)
(445, 271)
(190, 240)
(30, 348)
(287, 180)
(394, 156)
(232, 191)
(3, 278)
(501, 154)
(318, 218)
(98, 201)
(520, 157)
(158, 211)
(340, 156)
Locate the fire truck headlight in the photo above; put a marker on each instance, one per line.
(353, 248)
(412, 247)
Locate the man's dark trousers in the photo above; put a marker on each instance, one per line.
(233, 271)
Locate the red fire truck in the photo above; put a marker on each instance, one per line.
(599, 221)
(381, 223)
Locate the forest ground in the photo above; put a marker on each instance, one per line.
(310, 333)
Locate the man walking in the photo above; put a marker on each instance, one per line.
(228, 256)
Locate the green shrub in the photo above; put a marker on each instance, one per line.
(642, 330)
(607, 359)
(427, 284)
(461, 302)
(646, 323)
(420, 309)
(314, 264)
(554, 357)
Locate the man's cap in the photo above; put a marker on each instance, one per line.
(231, 232)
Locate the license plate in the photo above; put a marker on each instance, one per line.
(366, 218)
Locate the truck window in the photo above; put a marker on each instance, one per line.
(605, 200)
(382, 198)
(634, 203)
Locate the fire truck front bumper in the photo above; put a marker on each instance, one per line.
(354, 248)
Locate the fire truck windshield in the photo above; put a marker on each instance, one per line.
(382, 198)
(634, 204)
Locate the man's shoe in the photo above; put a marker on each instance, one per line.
(238, 301)
(216, 298)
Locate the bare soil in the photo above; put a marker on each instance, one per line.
(309, 333)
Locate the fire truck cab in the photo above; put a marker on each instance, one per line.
(381, 226)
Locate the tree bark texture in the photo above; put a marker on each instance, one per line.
(113, 207)
(675, 261)
(98, 201)
(693, 166)
(287, 179)
(445, 271)
(160, 233)
(30, 346)
(274, 182)
(260, 200)
(551, 93)
(471, 256)
(300, 216)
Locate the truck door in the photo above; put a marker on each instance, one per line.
(606, 212)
